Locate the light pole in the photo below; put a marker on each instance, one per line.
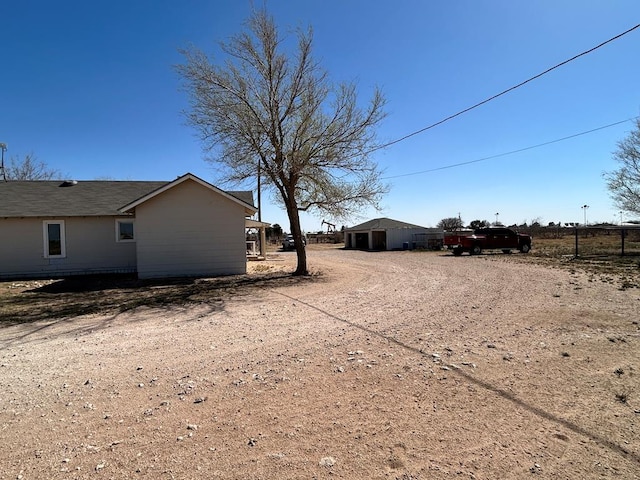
(3, 148)
(497, 213)
(584, 209)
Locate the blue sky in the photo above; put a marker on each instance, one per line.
(90, 89)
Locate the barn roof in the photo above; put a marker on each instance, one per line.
(78, 199)
(383, 224)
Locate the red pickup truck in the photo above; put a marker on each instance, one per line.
(492, 238)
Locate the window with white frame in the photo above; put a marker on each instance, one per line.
(124, 231)
(54, 239)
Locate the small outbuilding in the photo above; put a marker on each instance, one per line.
(389, 234)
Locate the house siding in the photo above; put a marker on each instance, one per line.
(190, 230)
(91, 247)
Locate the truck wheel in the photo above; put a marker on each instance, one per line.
(525, 248)
(476, 250)
(457, 252)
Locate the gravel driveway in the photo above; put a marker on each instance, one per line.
(388, 365)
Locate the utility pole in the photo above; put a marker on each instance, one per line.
(3, 148)
(259, 193)
(584, 209)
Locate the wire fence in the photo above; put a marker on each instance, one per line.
(588, 242)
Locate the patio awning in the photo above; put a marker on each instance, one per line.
(249, 223)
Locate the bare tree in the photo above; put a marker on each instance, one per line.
(264, 113)
(450, 224)
(624, 183)
(30, 168)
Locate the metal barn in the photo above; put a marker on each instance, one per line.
(389, 234)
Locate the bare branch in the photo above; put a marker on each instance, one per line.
(264, 106)
(624, 183)
(30, 168)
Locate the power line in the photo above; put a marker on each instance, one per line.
(505, 91)
(453, 165)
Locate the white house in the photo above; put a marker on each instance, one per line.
(186, 227)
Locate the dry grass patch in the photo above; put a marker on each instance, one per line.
(598, 255)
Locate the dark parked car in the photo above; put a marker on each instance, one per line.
(289, 244)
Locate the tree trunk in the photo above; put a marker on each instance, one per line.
(301, 251)
(296, 231)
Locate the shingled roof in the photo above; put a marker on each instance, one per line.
(78, 199)
(383, 224)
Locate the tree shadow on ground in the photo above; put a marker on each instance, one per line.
(108, 294)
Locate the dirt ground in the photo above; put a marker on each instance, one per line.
(388, 365)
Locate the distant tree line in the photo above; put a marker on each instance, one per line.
(533, 227)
